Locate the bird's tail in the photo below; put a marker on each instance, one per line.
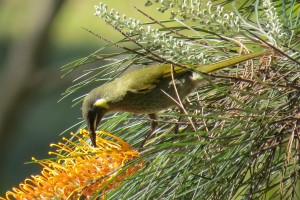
(231, 61)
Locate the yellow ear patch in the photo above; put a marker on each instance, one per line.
(102, 103)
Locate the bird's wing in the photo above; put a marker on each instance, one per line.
(148, 78)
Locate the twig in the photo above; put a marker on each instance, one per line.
(261, 82)
(273, 47)
(178, 98)
(120, 46)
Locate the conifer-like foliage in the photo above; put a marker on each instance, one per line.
(240, 136)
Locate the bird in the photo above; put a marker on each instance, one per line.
(149, 90)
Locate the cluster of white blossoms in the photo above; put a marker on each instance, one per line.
(196, 10)
(208, 14)
(204, 15)
(165, 44)
(274, 27)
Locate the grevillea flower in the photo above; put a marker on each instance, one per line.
(79, 170)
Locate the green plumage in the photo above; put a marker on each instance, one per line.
(142, 91)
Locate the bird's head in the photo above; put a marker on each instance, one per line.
(93, 110)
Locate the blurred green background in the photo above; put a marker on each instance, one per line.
(36, 39)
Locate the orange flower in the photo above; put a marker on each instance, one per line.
(80, 170)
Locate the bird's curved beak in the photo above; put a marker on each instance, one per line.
(92, 124)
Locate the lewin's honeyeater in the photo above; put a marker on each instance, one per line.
(144, 91)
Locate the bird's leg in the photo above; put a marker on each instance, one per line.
(153, 124)
(176, 128)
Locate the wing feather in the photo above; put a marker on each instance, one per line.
(148, 78)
